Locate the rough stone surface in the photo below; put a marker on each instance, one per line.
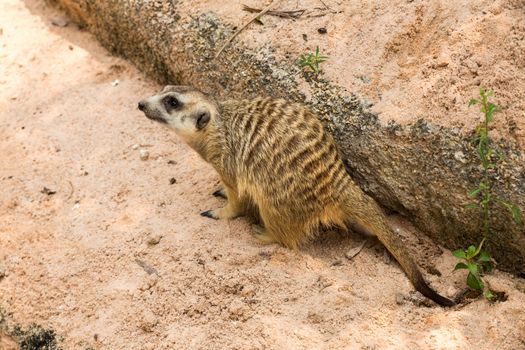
(420, 170)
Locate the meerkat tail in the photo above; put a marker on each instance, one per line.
(395, 246)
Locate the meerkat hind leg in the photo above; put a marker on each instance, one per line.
(262, 234)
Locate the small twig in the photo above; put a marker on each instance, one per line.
(319, 15)
(356, 250)
(149, 270)
(71, 192)
(325, 5)
(266, 9)
(293, 14)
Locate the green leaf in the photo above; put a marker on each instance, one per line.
(473, 268)
(504, 203)
(303, 61)
(488, 294)
(471, 206)
(478, 129)
(488, 266)
(479, 247)
(474, 282)
(474, 193)
(460, 254)
(471, 252)
(484, 256)
(460, 266)
(472, 102)
(481, 153)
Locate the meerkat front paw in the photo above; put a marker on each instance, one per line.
(221, 193)
(209, 214)
(220, 214)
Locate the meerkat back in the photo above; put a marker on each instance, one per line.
(276, 159)
(288, 165)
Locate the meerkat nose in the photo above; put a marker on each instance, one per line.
(142, 105)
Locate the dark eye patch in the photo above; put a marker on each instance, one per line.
(171, 102)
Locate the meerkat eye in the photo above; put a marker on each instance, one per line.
(172, 102)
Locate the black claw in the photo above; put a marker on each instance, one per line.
(219, 193)
(208, 214)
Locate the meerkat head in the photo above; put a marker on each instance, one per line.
(185, 109)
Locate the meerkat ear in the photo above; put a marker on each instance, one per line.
(202, 120)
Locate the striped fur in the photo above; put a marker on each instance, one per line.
(279, 164)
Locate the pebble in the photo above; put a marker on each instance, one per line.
(149, 282)
(144, 154)
(460, 156)
(47, 191)
(154, 239)
(248, 292)
(400, 299)
(148, 321)
(239, 311)
(473, 67)
(59, 21)
(452, 292)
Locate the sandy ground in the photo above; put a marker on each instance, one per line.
(119, 257)
(408, 59)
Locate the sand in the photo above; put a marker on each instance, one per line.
(406, 59)
(114, 255)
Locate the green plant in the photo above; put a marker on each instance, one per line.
(477, 262)
(488, 157)
(312, 60)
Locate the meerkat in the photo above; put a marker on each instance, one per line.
(278, 164)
